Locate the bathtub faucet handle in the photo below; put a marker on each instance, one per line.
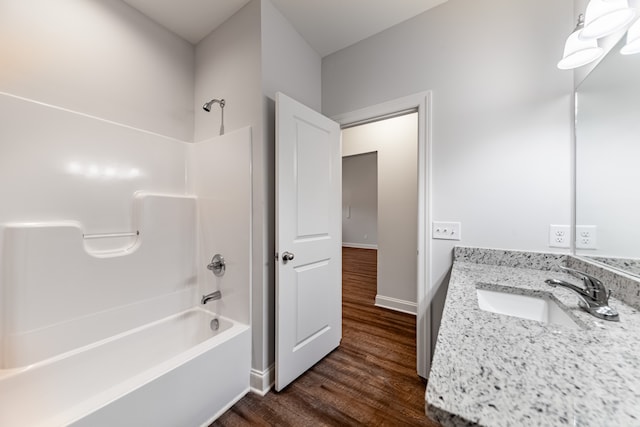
(217, 265)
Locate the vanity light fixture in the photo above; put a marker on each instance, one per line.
(633, 40)
(604, 17)
(578, 52)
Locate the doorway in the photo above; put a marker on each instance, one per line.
(420, 102)
(360, 200)
(383, 215)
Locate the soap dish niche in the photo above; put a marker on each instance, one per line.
(104, 244)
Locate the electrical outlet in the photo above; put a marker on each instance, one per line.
(586, 237)
(446, 230)
(559, 236)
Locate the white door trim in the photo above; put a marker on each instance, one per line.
(422, 101)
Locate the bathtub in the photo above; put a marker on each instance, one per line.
(176, 371)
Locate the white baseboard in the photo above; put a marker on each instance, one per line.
(262, 381)
(359, 245)
(396, 304)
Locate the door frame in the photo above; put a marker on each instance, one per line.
(421, 101)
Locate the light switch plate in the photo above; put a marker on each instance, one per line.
(446, 230)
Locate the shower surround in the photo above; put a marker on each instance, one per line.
(106, 231)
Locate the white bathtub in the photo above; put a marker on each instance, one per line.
(172, 372)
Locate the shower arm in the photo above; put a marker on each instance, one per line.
(207, 107)
(222, 117)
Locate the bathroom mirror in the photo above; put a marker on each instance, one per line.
(608, 163)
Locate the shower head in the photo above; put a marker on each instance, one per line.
(207, 105)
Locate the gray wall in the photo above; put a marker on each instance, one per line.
(360, 200)
(501, 115)
(289, 64)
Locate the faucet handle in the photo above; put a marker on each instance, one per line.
(590, 282)
(217, 265)
(592, 285)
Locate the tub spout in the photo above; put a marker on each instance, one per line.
(212, 296)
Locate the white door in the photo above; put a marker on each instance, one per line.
(308, 238)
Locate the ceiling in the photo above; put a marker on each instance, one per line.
(327, 25)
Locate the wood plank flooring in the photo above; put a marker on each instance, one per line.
(369, 380)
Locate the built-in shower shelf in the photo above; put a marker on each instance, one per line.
(110, 244)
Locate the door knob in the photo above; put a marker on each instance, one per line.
(287, 256)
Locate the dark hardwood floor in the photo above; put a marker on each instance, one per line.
(369, 380)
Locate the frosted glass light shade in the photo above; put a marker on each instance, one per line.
(579, 52)
(604, 17)
(633, 40)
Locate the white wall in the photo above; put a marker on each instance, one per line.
(501, 114)
(101, 58)
(360, 200)
(396, 141)
(228, 65)
(291, 66)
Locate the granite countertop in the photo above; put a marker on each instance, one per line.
(495, 370)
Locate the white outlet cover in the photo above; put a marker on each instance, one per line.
(586, 237)
(446, 230)
(559, 236)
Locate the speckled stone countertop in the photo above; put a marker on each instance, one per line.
(496, 370)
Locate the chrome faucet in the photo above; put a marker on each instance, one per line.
(216, 295)
(594, 297)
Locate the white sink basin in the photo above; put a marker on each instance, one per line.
(542, 309)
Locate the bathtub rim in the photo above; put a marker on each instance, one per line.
(112, 394)
(222, 336)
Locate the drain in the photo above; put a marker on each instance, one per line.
(215, 324)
